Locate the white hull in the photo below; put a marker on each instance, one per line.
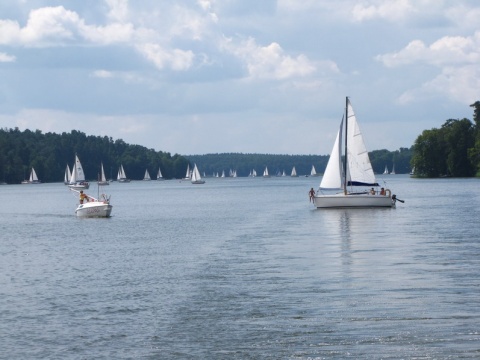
(94, 209)
(79, 186)
(103, 183)
(352, 201)
(198, 181)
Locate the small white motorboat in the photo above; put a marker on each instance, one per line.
(93, 207)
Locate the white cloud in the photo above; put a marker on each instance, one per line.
(118, 10)
(447, 50)
(174, 58)
(104, 74)
(54, 26)
(6, 58)
(460, 84)
(269, 62)
(394, 10)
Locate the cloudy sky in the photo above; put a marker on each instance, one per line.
(251, 76)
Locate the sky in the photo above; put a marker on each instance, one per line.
(249, 76)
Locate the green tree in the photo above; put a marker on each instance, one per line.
(474, 152)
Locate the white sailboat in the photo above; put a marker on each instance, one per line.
(121, 176)
(294, 172)
(159, 175)
(147, 177)
(354, 171)
(385, 172)
(393, 170)
(313, 172)
(68, 175)
(196, 178)
(103, 180)
(33, 179)
(188, 174)
(77, 180)
(265, 173)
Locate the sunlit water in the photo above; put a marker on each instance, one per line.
(240, 268)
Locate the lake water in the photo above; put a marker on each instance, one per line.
(240, 269)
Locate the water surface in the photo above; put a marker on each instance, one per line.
(240, 268)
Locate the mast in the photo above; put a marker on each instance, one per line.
(346, 147)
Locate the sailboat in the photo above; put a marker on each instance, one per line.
(159, 175)
(294, 172)
(77, 180)
(147, 177)
(313, 172)
(355, 170)
(103, 180)
(393, 170)
(33, 179)
(196, 178)
(121, 177)
(265, 173)
(68, 175)
(188, 175)
(385, 172)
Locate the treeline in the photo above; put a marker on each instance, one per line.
(50, 153)
(244, 164)
(452, 150)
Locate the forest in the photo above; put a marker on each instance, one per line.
(50, 153)
(450, 151)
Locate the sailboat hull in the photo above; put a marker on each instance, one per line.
(94, 209)
(79, 186)
(352, 201)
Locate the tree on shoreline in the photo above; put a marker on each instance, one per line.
(452, 150)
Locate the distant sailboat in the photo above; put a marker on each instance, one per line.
(103, 179)
(313, 172)
(196, 178)
(393, 170)
(294, 172)
(68, 175)
(33, 179)
(188, 174)
(77, 180)
(121, 176)
(265, 172)
(147, 177)
(159, 175)
(385, 172)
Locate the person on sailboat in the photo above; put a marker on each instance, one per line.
(382, 192)
(83, 197)
(311, 193)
